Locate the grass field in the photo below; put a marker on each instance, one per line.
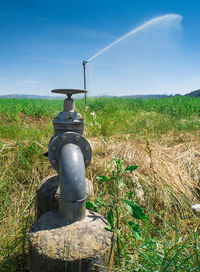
(160, 136)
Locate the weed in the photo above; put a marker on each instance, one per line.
(116, 182)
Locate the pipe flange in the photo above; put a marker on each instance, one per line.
(68, 138)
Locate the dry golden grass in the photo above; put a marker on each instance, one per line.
(168, 173)
(169, 166)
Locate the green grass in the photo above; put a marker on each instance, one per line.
(179, 107)
(170, 240)
(113, 116)
(158, 116)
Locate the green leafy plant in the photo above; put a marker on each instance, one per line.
(114, 204)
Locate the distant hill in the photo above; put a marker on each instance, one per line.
(194, 93)
(31, 96)
(145, 96)
(141, 96)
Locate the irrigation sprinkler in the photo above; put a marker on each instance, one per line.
(84, 77)
(168, 18)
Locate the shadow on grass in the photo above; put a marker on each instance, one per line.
(15, 263)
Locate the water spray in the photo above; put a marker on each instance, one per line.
(166, 18)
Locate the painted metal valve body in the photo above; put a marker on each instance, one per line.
(68, 119)
(69, 154)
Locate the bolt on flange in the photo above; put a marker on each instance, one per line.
(71, 138)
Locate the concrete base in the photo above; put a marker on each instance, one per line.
(83, 246)
(48, 194)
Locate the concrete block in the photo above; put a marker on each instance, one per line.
(48, 194)
(84, 246)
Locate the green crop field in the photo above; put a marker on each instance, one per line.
(159, 136)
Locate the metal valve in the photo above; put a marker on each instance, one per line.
(68, 92)
(68, 129)
(68, 120)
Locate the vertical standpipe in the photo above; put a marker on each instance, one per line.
(72, 183)
(84, 76)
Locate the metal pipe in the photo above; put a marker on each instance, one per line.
(72, 183)
(84, 76)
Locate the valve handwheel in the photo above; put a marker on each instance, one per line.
(68, 92)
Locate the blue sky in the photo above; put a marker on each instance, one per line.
(44, 42)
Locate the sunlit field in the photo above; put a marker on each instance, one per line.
(159, 136)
